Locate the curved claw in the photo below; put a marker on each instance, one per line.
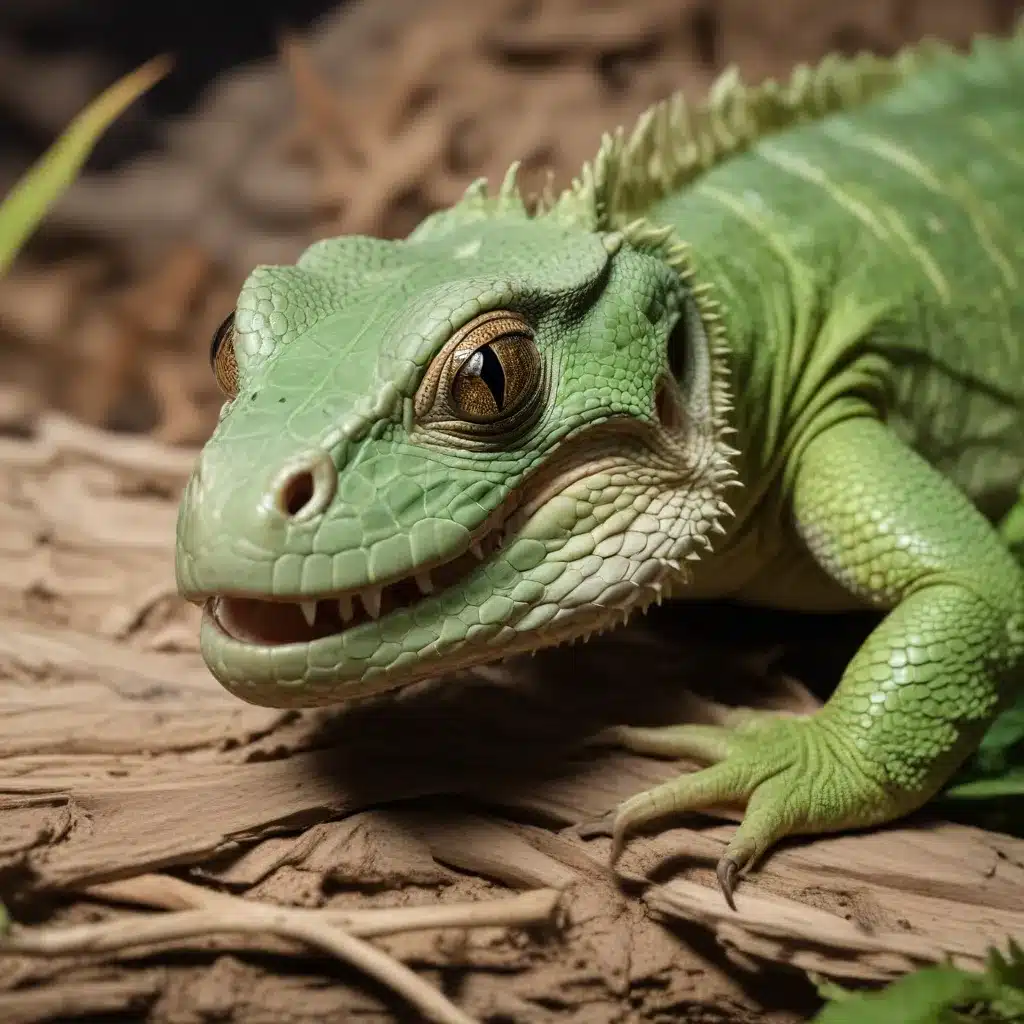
(619, 834)
(763, 766)
(594, 827)
(619, 831)
(727, 872)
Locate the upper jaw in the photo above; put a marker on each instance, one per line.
(269, 620)
(265, 620)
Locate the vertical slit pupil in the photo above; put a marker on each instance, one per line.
(485, 364)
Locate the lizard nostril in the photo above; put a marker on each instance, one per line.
(298, 492)
(306, 487)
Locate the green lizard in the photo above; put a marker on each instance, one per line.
(769, 347)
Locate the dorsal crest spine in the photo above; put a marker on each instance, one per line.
(674, 142)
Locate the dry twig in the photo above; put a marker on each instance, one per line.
(339, 933)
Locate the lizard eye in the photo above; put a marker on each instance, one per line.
(495, 369)
(222, 357)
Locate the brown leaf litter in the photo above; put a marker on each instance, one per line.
(383, 114)
(430, 842)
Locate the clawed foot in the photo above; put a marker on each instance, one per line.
(794, 775)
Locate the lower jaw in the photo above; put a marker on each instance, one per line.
(302, 675)
(328, 671)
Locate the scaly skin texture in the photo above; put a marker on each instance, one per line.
(796, 379)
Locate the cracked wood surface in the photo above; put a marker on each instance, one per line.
(122, 758)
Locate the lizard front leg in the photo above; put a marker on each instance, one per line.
(918, 695)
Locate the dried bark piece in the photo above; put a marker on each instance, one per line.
(371, 848)
(130, 993)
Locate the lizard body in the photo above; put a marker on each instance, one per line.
(770, 348)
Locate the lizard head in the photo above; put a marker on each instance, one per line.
(502, 433)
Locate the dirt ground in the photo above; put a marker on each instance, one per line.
(178, 856)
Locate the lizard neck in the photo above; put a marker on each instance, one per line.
(707, 491)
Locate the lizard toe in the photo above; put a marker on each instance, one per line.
(789, 774)
(704, 743)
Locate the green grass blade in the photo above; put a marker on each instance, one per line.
(1009, 784)
(46, 180)
(43, 184)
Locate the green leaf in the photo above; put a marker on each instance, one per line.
(1002, 747)
(936, 995)
(1006, 974)
(830, 991)
(43, 184)
(989, 789)
(1010, 783)
(928, 996)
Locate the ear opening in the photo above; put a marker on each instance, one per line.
(678, 340)
(667, 406)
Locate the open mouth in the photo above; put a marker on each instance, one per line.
(277, 621)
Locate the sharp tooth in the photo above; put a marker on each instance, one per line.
(345, 607)
(476, 549)
(424, 582)
(371, 601)
(308, 609)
